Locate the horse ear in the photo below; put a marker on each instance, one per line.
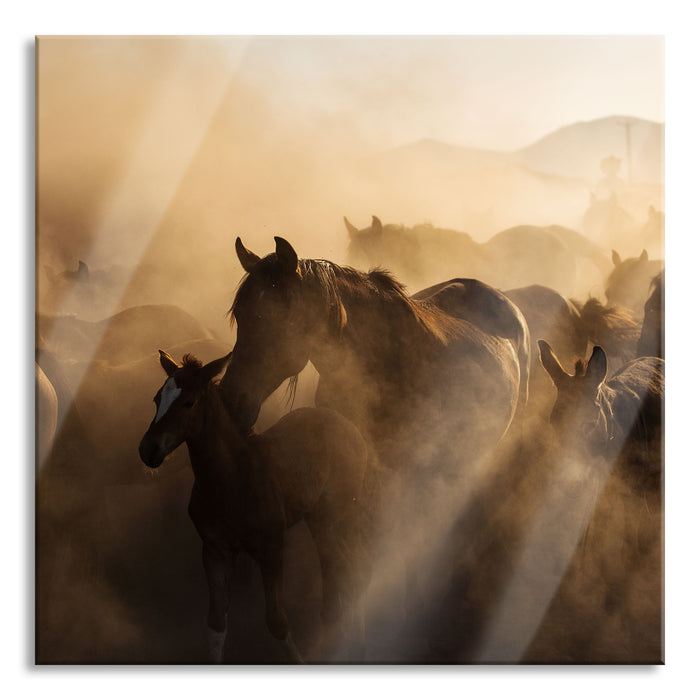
(616, 258)
(287, 255)
(352, 231)
(214, 368)
(247, 259)
(377, 225)
(167, 363)
(551, 364)
(644, 257)
(597, 366)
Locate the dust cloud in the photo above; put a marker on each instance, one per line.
(153, 154)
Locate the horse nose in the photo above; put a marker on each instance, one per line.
(150, 453)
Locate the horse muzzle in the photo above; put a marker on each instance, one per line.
(152, 452)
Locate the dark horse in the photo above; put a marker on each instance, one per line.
(628, 284)
(431, 392)
(249, 489)
(652, 340)
(613, 426)
(404, 370)
(618, 418)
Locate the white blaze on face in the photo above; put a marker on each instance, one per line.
(168, 394)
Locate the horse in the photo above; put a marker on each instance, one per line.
(86, 291)
(513, 257)
(614, 328)
(628, 283)
(556, 319)
(490, 310)
(122, 337)
(652, 338)
(430, 392)
(390, 363)
(612, 427)
(249, 489)
(554, 256)
(419, 255)
(617, 418)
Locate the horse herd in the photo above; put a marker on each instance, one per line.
(429, 410)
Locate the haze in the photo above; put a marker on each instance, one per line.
(154, 153)
(161, 150)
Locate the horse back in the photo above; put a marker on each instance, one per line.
(491, 312)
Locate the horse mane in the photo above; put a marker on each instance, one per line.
(331, 280)
(189, 360)
(613, 327)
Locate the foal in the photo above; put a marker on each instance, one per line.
(249, 489)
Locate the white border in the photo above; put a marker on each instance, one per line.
(673, 19)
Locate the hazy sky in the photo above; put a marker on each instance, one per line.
(121, 119)
(483, 91)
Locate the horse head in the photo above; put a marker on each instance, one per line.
(277, 323)
(629, 280)
(365, 248)
(578, 416)
(178, 406)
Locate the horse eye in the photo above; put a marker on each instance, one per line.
(188, 404)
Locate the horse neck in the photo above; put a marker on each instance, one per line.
(369, 339)
(218, 447)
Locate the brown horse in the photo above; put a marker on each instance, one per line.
(514, 257)
(628, 284)
(249, 489)
(431, 393)
(490, 310)
(652, 338)
(556, 319)
(405, 371)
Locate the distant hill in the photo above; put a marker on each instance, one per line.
(483, 191)
(573, 152)
(577, 150)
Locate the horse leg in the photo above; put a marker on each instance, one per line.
(329, 555)
(271, 568)
(218, 568)
(357, 641)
